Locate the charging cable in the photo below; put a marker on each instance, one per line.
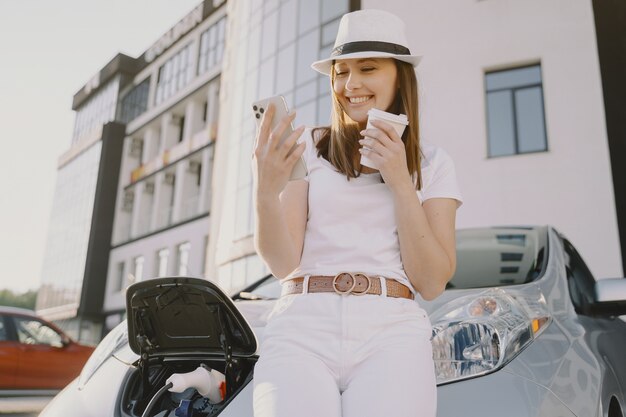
(154, 399)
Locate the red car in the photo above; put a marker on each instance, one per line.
(35, 354)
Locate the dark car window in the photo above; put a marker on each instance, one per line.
(580, 280)
(494, 257)
(270, 288)
(499, 257)
(3, 330)
(34, 332)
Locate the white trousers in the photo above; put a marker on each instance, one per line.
(330, 355)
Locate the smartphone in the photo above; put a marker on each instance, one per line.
(259, 107)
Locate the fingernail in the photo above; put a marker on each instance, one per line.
(362, 132)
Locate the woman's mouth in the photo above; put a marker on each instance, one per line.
(359, 100)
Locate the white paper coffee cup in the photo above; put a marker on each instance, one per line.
(398, 121)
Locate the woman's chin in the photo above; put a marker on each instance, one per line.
(359, 118)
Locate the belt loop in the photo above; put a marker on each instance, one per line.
(305, 284)
(383, 286)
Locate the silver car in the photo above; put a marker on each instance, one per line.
(523, 329)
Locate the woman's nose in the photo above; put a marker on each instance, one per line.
(353, 82)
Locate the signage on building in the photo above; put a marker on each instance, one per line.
(175, 33)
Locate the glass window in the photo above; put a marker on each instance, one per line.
(238, 280)
(120, 277)
(138, 268)
(256, 269)
(580, 280)
(224, 273)
(3, 330)
(242, 209)
(288, 19)
(332, 9)
(498, 257)
(308, 46)
(135, 102)
(175, 74)
(34, 332)
(324, 106)
(515, 112)
(306, 114)
(329, 33)
(309, 15)
(254, 48)
(205, 249)
(285, 74)
(269, 36)
(529, 113)
(97, 110)
(211, 46)
(284, 71)
(183, 257)
(266, 78)
(68, 235)
(306, 93)
(162, 262)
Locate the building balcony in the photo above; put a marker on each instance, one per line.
(164, 217)
(190, 208)
(175, 153)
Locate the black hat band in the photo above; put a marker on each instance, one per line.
(370, 46)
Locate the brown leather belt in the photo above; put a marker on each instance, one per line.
(347, 283)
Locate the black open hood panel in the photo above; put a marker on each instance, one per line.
(180, 316)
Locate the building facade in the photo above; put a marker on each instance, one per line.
(77, 250)
(523, 95)
(270, 46)
(514, 92)
(171, 110)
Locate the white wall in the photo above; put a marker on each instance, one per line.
(193, 232)
(570, 186)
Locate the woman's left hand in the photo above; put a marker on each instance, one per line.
(386, 150)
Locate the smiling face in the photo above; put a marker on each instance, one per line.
(363, 84)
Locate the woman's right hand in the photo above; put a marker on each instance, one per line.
(271, 162)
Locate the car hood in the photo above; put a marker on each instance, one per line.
(180, 316)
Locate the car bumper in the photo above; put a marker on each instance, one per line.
(498, 394)
(97, 399)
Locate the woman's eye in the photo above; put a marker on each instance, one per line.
(366, 69)
(339, 73)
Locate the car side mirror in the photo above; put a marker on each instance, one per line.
(609, 297)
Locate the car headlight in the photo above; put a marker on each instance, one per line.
(111, 343)
(477, 334)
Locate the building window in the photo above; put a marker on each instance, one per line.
(120, 277)
(212, 46)
(135, 102)
(515, 112)
(183, 258)
(162, 262)
(175, 74)
(138, 268)
(98, 110)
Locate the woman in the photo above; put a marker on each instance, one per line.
(352, 245)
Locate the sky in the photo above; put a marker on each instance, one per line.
(49, 50)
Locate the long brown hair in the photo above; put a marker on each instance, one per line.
(339, 142)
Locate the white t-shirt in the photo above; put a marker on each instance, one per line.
(351, 225)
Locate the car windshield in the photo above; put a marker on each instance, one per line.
(496, 257)
(486, 257)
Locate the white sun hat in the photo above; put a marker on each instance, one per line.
(369, 33)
